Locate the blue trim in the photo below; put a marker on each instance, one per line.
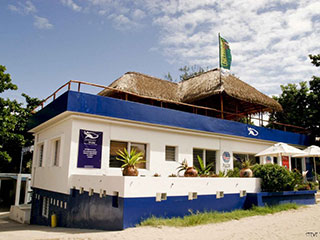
(274, 198)
(116, 108)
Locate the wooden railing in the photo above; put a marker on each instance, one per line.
(195, 108)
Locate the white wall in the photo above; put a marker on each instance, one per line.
(51, 177)
(173, 186)
(156, 138)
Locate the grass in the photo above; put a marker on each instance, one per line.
(216, 217)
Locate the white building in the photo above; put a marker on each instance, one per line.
(75, 174)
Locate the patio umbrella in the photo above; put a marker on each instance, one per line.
(312, 151)
(280, 149)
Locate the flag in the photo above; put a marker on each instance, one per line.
(225, 54)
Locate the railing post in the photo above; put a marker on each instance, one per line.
(69, 86)
(79, 87)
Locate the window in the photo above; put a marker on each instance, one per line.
(275, 160)
(207, 156)
(40, 154)
(170, 153)
(140, 147)
(56, 152)
(115, 146)
(45, 207)
(238, 158)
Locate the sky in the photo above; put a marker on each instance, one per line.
(46, 43)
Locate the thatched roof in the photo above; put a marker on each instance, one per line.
(208, 84)
(145, 86)
(193, 89)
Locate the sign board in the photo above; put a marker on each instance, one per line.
(226, 162)
(268, 159)
(90, 146)
(285, 162)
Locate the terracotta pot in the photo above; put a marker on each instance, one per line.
(130, 171)
(191, 172)
(246, 172)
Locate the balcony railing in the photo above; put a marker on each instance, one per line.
(194, 108)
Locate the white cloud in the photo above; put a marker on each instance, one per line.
(42, 23)
(23, 8)
(138, 14)
(72, 5)
(269, 39)
(28, 8)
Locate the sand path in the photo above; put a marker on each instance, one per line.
(299, 224)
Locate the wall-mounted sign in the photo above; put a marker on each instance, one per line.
(268, 159)
(285, 161)
(226, 157)
(252, 132)
(226, 161)
(90, 145)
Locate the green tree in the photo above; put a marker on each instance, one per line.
(13, 119)
(187, 72)
(293, 100)
(300, 103)
(314, 98)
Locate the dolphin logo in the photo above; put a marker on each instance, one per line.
(91, 135)
(253, 132)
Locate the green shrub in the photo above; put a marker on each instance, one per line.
(233, 172)
(275, 178)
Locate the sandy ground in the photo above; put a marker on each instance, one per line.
(299, 224)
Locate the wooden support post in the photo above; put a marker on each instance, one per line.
(69, 86)
(79, 84)
(126, 96)
(221, 105)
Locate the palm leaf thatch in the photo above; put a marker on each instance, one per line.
(198, 90)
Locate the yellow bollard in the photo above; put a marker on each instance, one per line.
(53, 220)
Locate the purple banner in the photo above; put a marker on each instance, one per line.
(90, 145)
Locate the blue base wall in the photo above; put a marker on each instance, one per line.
(113, 213)
(82, 210)
(138, 209)
(274, 198)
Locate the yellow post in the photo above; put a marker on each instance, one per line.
(53, 220)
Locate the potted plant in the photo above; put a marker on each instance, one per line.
(130, 159)
(188, 171)
(246, 171)
(203, 171)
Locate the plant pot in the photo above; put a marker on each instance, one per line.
(130, 171)
(246, 172)
(191, 172)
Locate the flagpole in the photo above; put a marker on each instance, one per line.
(221, 98)
(219, 58)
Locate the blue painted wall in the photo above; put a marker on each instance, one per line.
(137, 209)
(110, 213)
(116, 108)
(83, 211)
(274, 198)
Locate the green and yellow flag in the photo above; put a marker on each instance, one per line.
(225, 54)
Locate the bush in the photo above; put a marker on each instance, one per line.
(275, 178)
(233, 172)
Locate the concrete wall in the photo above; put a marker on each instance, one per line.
(54, 178)
(129, 187)
(67, 128)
